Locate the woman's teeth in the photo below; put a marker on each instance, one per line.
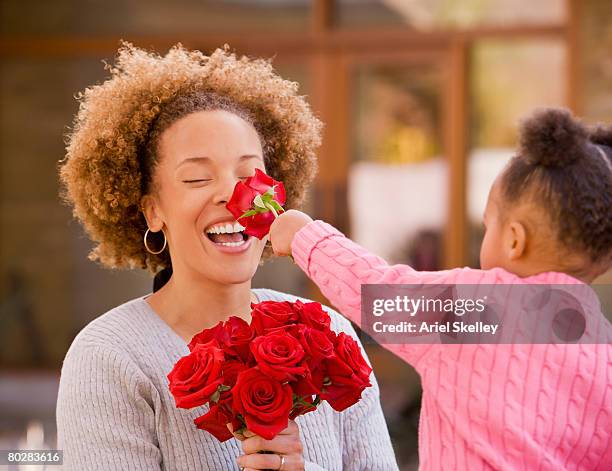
(228, 234)
(225, 228)
(232, 244)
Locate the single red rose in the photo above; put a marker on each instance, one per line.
(237, 339)
(348, 374)
(316, 343)
(196, 377)
(291, 329)
(262, 182)
(257, 225)
(310, 384)
(280, 356)
(332, 336)
(343, 392)
(268, 315)
(214, 333)
(348, 350)
(242, 198)
(263, 402)
(231, 369)
(258, 220)
(313, 315)
(215, 421)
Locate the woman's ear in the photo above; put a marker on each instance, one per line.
(151, 213)
(518, 240)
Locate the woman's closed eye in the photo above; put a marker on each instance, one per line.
(205, 180)
(199, 180)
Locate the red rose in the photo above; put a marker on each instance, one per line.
(348, 374)
(231, 369)
(302, 405)
(263, 402)
(269, 315)
(258, 220)
(207, 335)
(215, 421)
(279, 355)
(318, 347)
(313, 315)
(316, 343)
(196, 377)
(311, 383)
(238, 337)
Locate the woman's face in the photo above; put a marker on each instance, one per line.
(201, 158)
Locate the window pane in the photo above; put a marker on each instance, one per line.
(595, 44)
(398, 163)
(50, 289)
(596, 71)
(434, 14)
(508, 79)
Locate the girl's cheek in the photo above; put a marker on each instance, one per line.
(484, 251)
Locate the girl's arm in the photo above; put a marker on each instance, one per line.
(339, 267)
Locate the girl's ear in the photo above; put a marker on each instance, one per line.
(518, 240)
(151, 213)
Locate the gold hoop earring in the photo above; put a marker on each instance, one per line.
(147, 245)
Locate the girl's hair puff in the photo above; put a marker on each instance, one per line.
(565, 167)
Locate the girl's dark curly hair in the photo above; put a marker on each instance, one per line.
(112, 146)
(567, 167)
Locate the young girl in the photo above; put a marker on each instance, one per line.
(548, 221)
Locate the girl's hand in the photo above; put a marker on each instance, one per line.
(284, 228)
(286, 448)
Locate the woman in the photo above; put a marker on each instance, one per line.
(152, 160)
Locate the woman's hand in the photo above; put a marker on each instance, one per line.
(286, 449)
(284, 228)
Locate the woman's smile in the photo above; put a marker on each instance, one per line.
(228, 237)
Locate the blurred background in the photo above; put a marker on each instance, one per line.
(420, 100)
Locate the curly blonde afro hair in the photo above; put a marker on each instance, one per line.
(111, 149)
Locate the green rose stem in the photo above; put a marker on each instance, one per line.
(271, 208)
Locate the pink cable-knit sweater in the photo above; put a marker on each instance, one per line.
(507, 407)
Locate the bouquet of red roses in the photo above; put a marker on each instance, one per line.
(259, 376)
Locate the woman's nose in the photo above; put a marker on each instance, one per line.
(224, 190)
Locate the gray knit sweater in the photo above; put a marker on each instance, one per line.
(115, 411)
